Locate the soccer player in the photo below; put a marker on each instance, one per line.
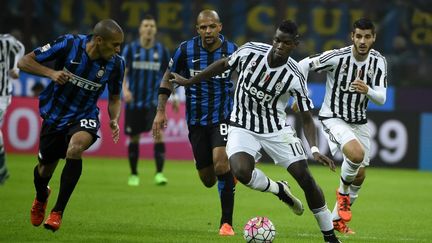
(268, 76)
(146, 60)
(208, 106)
(84, 65)
(355, 75)
(11, 50)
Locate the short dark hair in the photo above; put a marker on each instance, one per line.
(363, 24)
(289, 27)
(149, 17)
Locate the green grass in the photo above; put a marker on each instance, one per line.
(394, 206)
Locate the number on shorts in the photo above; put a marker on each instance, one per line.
(88, 123)
(223, 128)
(297, 147)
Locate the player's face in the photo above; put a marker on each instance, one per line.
(283, 44)
(148, 29)
(208, 28)
(108, 47)
(363, 41)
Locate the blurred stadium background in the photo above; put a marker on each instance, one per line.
(402, 128)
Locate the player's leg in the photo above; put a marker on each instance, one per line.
(159, 149)
(133, 156)
(4, 174)
(340, 135)
(134, 119)
(52, 147)
(81, 138)
(314, 197)
(222, 170)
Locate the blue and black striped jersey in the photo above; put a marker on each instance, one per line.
(208, 102)
(146, 68)
(60, 105)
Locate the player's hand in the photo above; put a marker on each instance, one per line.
(324, 160)
(159, 123)
(178, 79)
(60, 77)
(115, 130)
(359, 85)
(13, 73)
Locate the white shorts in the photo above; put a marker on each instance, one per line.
(338, 133)
(283, 146)
(4, 103)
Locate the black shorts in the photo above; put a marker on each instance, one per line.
(139, 120)
(203, 139)
(53, 144)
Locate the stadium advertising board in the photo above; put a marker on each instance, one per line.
(396, 137)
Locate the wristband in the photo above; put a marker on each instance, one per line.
(314, 149)
(165, 91)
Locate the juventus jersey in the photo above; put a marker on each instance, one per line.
(341, 100)
(11, 50)
(262, 92)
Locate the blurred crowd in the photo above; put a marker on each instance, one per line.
(404, 27)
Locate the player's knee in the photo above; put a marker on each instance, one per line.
(221, 167)
(356, 157)
(208, 182)
(75, 150)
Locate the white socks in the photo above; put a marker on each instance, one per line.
(349, 171)
(259, 181)
(324, 218)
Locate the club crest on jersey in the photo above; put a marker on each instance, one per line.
(344, 69)
(100, 73)
(278, 87)
(370, 73)
(155, 56)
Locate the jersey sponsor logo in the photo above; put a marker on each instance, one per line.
(155, 66)
(82, 82)
(225, 74)
(257, 93)
(45, 47)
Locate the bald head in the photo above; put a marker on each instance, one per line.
(208, 14)
(107, 28)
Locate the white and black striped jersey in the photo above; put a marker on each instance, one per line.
(11, 50)
(341, 100)
(262, 92)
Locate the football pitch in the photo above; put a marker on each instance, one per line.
(394, 205)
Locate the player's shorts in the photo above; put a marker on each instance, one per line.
(204, 139)
(53, 144)
(139, 120)
(4, 103)
(338, 133)
(283, 146)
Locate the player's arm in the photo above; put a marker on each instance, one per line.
(165, 90)
(29, 64)
(214, 69)
(377, 94)
(309, 130)
(127, 95)
(114, 107)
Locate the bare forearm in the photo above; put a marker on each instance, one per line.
(114, 107)
(309, 128)
(30, 65)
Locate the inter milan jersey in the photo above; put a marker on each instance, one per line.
(341, 100)
(146, 68)
(210, 101)
(61, 105)
(262, 92)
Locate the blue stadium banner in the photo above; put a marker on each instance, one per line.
(426, 142)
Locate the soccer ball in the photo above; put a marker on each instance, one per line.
(259, 229)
